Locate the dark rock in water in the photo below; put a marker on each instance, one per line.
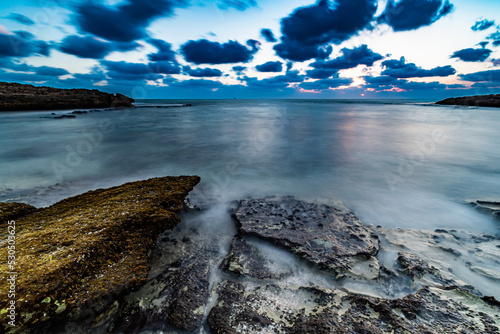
(331, 238)
(489, 207)
(178, 295)
(14, 96)
(492, 100)
(79, 112)
(415, 266)
(65, 116)
(273, 309)
(81, 254)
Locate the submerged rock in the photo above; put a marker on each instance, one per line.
(246, 308)
(78, 256)
(329, 237)
(14, 96)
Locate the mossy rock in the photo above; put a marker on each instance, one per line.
(87, 250)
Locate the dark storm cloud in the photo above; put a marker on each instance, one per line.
(400, 69)
(270, 66)
(481, 25)
(350, 58)
(238, 4)
(165, 67)
(412, 14)
(483, 76)
(205, 52)
(308, 28)
(472, 55)
(125, 22)
(164, 50)
(326, 83)
(22, 44)
(20, 18)
(202, 72)
(268, 35)
(90, 47)
(50, 71)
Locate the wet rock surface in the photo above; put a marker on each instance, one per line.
(176, 296)
(78, 256)
(245, 308)
(490, 207)
(14, 96)
(327, 236)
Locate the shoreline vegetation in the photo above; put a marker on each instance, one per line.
(20, 97)
(492, 101)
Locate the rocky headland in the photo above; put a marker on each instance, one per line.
(492, 100)
(17, 97)
(292, 267)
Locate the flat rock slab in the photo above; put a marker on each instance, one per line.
(487, 206)
(79, 255)
(327, 236)
(246, 308)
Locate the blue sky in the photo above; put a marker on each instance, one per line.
(422, 49)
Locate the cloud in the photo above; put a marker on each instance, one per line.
(164, 50)
(197, 83)
(400, 69)
(239, 69)
(413, 14)
(320, 73)
(124, 22)
(205, 52)
(350, 58)
(237, 4)
(20, 19)
(277, 82)
(268, 35)
(308, 28)
(472, 55)
(326, 83)
(481, 25)
(122, 70)
(50, 71)
(270, 66)
(202, 72)
(483, 76)
(380, 83)
(22, 44)
(91, 47)
(495, 37)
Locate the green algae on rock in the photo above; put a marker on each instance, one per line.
(77, 256)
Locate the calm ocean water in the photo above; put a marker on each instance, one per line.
(395, 165)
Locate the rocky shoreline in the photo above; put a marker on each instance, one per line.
(292, 267)
(19, 97)
(492, 100)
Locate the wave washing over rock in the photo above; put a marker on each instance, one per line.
(291, 267)
(14, 97)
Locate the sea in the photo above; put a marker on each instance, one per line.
(396, 164)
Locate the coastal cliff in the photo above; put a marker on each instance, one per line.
(492, 100)
(15, 97)
(76, 257)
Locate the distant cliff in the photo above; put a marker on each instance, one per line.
(14, 96)
(478, 101)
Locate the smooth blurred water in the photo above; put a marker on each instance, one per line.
(396, 165)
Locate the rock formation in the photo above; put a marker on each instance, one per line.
(492, 100)
(14, 96)
(76, 258)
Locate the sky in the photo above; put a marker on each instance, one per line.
(190, 49)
